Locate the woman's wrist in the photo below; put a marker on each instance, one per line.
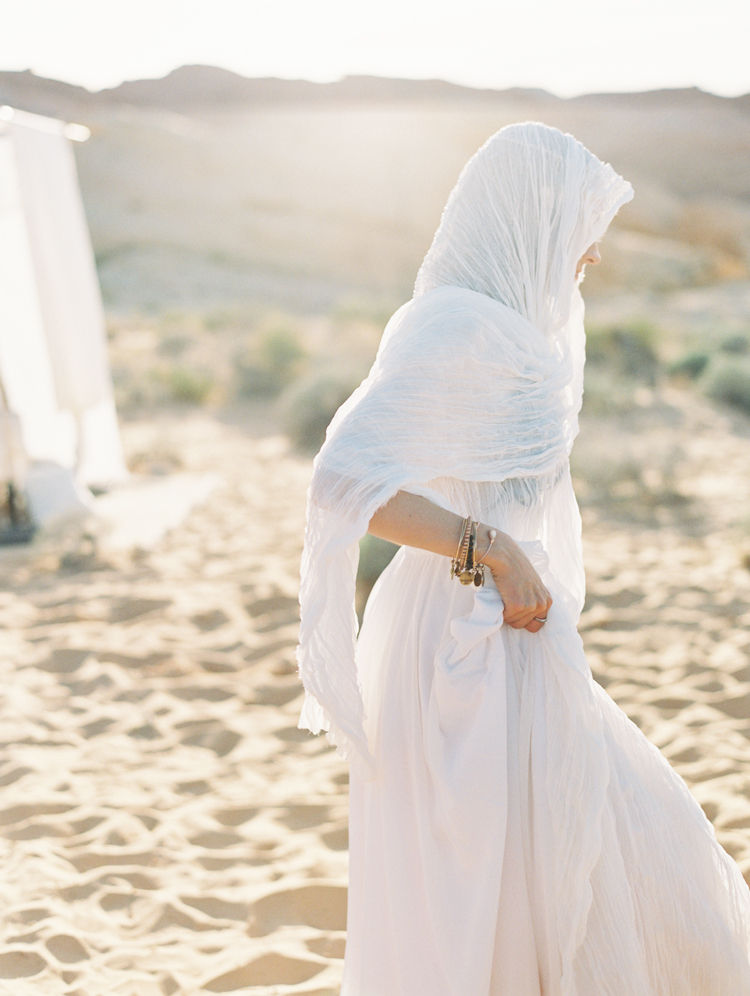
(491, 549)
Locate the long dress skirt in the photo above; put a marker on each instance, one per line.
(521, 837)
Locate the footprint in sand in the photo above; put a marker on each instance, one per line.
(736, 706)
(199, 787)
(65, 660)
(327, 946)
(268, 649)
(303, 817)
(267, 970)
(273, 613)
(126, 609)
(13, 775)
(277, 695)
(96, 727)
(24, 964)
(77, 893)
(127, 660)
(24, 811)
(36, 831)
(235, 817)
(216, 663)
(319, 906)
(89, 860)
(34, 915)
(209, 733)
(135, 878)
(210, 620)
(293, 735)
(219, 909)
(146, 732)
(67, 949)
(112, 901)
(205, 693)
(217, 839)
(338, 839)
(170, 916)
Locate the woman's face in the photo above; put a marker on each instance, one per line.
(591, 256)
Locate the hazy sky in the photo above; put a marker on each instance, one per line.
(564, 47)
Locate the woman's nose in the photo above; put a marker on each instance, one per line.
(593, 255)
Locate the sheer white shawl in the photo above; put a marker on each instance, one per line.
(478, 377)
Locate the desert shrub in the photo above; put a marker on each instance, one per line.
(360, 310)
(173, 345)
(374, 556)
(729, 383)
(628, 349)
(691, 366)
(310, 404)
(607, 392)
(216, 321)
(271, 364)
(282, 351)
(189, 386)
(736, 344)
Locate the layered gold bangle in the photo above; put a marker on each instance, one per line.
(464, 566)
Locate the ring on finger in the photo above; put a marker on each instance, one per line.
(540, 620)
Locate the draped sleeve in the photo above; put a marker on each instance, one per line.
(462, 386)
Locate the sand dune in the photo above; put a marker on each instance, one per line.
(165, 827)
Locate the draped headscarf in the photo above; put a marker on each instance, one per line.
(478, 377)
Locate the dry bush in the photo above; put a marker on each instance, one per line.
(189, 386)
(374, 556)
(736, 344)
(310, 404)
(728, 382)
(628, 349)
(271, 363)
(690, 366)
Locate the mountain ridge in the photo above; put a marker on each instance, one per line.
(195, 87)
(206, 186)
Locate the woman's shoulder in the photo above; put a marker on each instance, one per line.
(460, 300)
(458, 316)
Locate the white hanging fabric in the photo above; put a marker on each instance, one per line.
(53, 358)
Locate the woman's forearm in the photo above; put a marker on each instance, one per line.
(411, 520)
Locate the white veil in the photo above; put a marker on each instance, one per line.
(526, 207)
(478, 378)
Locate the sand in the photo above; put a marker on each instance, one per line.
(164, 826)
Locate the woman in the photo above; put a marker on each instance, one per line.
(512, 833)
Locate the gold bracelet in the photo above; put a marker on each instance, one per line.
(460, 559)
(463, 566)
(464, 524)
(493, 537)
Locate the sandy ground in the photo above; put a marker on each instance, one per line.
(164, 826)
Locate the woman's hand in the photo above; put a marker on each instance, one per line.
(521, 589)
(415, 521)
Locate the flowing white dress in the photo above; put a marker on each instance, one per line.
(521, 837)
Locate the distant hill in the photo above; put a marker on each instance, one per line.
(206, 187)
(195, 88)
